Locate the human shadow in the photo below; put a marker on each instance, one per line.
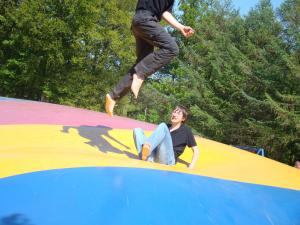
(15, 219)
(97, 136)
(183, 162)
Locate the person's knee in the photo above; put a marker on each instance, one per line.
(173, 49)
(163, 125)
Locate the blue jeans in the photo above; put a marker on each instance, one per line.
(161, 144)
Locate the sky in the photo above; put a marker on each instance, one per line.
(246, 5)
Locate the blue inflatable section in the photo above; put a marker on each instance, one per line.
(124, 196)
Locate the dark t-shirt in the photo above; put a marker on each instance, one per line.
(181, 138)
(158, 7)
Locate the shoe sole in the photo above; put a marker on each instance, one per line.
(145, 152)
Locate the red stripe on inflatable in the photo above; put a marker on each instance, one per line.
(46, 113)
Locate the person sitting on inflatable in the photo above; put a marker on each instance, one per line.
(168, 141)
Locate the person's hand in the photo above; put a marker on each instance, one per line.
(191, 166)
(187, 31)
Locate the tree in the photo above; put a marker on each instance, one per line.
(48, 44)
(289, 14)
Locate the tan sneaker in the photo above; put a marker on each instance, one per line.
(145, 151)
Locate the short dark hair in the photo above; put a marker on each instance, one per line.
(184, 112)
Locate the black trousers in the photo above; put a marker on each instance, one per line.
(148, 34)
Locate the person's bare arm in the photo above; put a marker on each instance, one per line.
(195, 157)
(170, 19)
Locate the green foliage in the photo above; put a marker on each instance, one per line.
(289, 13)
(238, 77)
(47, 45)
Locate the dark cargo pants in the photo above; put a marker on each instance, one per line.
(148, 34)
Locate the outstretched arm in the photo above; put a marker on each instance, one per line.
(170, 19)
(195, 157)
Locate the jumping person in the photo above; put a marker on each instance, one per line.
(148, 34)
(167, 142)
